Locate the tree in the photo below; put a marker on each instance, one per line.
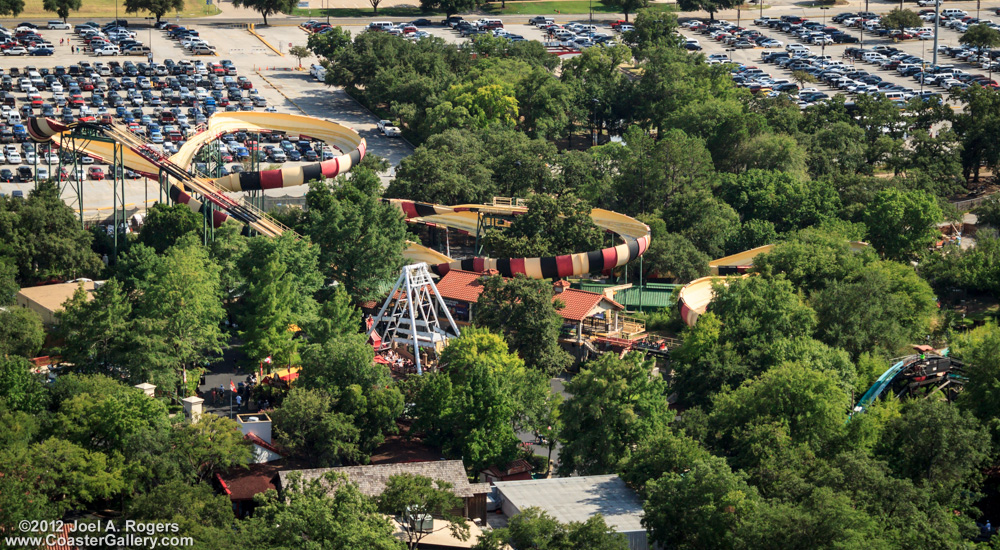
(534, 528)
(309, 514)
(616, 404)
(44, 238)
(165, 225)
(812, 258)
(900, 19)
(408, 496)
(98, 334)
(197, 511)
(627, 6)
(300, 52)
(11, 7)
(337, 318)
(212, 444)
(699, 509)
(901, 223)
(180, 305)
(266, 7)
(20, 389)
(807, 404)
(977, 125)
(449, 7)
(21, 332)
(756, 311)
(979, 350)
(308, 427)
(360, 238)
(523, 310)
(62, 7)
(158, 8)
(71, 476)
(550, 227)
(981, 36)
(672, 255)
(268, 314)
(890, 306)
(803, 78)
(941, 451)
(105, 422)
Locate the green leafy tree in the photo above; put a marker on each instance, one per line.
(981, 36)
(44, 238)
(165, 225)
(672, 255)
(301, 52)
(72, 476)
(784, 199)
(268, 314)
(979, 350)
(330, 44)
(810, 405)
(837, 148)
(307, 514)
(901, 223)
(410, 495)
(449, 7)
(21, 332)
(534, 528)
(227, 249)
(900, 19)
(180, 304)
(308, 426)
(344, 368)
(550, 227)
(751, 234)
(266, 7)
(941, 451)
(361, 239)
(8, 281)
(977, 125)
(524, 312)
(337, 317)
(812, 258)
(756, 311)
(62, 7)
(105, 422)
(158, 8)
(628, 6)
(20, 389)
(699, 509)
(197, 511)
(472, 406)
(11, 7)
(616, 404)
(212, 444)
(890, 306)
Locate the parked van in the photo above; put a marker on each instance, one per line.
(952, 13)
(380, 25)
(490, 24)
(895, 96)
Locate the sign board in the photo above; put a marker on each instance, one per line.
(304, 4)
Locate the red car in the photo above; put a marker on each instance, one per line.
(95, 173)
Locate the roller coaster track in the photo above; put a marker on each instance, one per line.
(240, 210)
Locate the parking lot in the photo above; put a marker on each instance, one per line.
(865, 63)
(273, 85)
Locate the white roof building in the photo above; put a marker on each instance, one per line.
(577, 499)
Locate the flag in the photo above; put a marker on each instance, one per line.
(231, 385)
(185, 376)
(268, 360)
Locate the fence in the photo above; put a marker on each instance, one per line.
(969, 204)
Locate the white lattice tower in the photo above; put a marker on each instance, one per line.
(411, 313)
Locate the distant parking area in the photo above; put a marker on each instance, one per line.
(846, 52)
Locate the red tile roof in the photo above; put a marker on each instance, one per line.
(464, 286)
(66, 533)
(518, 466)
(243, 482)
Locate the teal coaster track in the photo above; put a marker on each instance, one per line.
(922, 375)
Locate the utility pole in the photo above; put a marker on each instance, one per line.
(937, 29)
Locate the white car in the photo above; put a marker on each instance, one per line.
(58, 26)
(42, 173)
(13, 157)
(15, 50)
(29, 158)
(52, 158)
(926, 3)
(392, 131)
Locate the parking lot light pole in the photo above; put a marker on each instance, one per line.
(937, 28)
(824, 9)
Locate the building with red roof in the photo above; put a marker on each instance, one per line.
(588, 313)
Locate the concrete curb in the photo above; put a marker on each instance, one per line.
(250, 28)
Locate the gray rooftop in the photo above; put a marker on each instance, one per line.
(371, 479)
(578, 499)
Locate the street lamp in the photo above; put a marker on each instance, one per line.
(824, 9)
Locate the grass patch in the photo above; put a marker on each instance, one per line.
(102, 9)
(560, 7)
(514, 7)
(367, 12)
